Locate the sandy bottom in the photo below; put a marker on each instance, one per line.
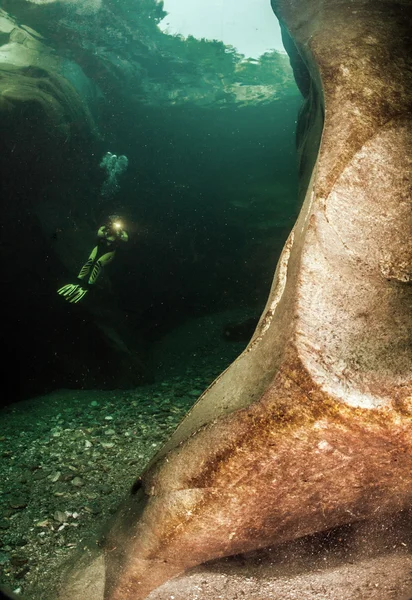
(376, 579)
(362, 561)
(316, 574)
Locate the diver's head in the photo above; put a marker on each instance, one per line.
(114, 222)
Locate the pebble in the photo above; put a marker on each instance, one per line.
(22, 573)
(4, 524)
(19, 561)
(18, 503)
(77, 482)
(60, 516)
(44, 523)
(94, 507)
(25, 476)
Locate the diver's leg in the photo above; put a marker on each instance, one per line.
(98, 265)
(84, 271)
(91, 270)
(74, 292)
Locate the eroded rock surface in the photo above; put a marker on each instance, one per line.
(31, 74)
(311, 427)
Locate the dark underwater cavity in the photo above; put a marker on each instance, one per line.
(210, 197)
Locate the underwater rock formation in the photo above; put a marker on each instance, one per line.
(310, 428)
(31, 74)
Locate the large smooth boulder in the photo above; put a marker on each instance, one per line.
(310, 428)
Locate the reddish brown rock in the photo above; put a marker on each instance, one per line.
(310, 428)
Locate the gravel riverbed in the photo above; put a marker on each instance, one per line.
(67, 460)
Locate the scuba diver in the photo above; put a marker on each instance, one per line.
(109, 238)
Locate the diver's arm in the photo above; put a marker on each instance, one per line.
(102, 232)
(124, 236)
